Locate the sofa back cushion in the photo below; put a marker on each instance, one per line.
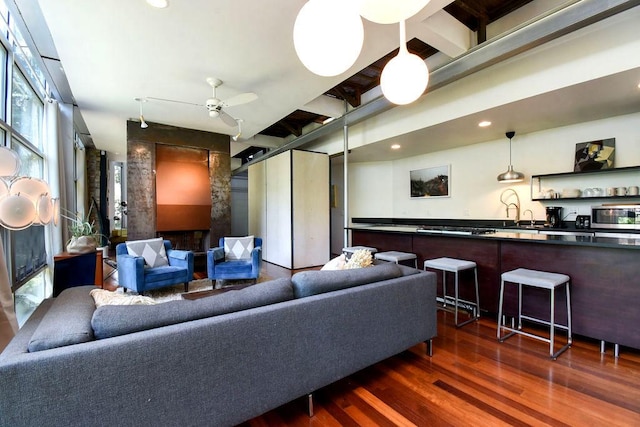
(307, 283)
(113, 320)
(67, 322)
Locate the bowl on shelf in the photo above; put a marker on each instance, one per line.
(570, 192)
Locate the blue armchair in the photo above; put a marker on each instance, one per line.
(134, 275)
(219, 267)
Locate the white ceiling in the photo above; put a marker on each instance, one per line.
(113, 51)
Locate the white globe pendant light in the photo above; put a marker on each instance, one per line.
(9, 162)
(17, 212)
(390, 11)
(405, 77)
(328, 36)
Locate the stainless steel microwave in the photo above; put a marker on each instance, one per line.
(619, 216)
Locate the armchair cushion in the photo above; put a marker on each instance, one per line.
(152, 250)
(238, 247)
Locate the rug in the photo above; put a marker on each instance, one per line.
(173, 293)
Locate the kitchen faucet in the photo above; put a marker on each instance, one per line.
(516, 220)
(531, 212)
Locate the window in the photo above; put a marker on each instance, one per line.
(27, 109)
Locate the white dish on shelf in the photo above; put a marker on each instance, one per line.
(570, 192)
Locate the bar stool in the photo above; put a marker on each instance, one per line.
(349, 250)
(542, 280)
(455, 266)
(396, 256)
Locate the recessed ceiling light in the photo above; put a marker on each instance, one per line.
(484, 123)
(160, 4)
(395, 146)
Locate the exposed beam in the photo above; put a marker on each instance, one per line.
(445, 33)
(554, 25)
(325, 106)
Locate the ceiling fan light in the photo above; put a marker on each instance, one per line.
(214, 113)
(404, 78)
(390, 11)
(328, 52)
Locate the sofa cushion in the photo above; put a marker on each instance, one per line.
(67, 322)
(307, 283)
(152, 250)
(238, 247)
(113, 320)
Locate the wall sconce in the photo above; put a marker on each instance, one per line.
(510, 175)
(24, 201)
(143, 124)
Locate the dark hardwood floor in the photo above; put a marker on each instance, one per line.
(474, 380)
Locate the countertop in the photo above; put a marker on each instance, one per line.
(586, 237)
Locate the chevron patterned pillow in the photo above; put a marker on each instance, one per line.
(152, 250)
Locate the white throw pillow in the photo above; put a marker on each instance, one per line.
(238, 247)
(336, 263)
(152, 250)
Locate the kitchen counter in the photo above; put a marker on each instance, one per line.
(556, 236)
(603, 267)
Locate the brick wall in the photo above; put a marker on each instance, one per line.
(141, 219)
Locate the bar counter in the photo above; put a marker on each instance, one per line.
(604, 271)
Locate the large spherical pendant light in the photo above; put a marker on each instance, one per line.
(405, 77)
(328, 36)
(390, 11)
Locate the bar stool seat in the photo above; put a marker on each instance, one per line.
(455, 266)
(542, 280)
(396, 256)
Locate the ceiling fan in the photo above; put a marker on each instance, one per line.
(215, 106)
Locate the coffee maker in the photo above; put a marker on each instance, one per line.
(554, 218)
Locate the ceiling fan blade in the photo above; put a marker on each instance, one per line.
(173, 100)
(242, 98)
(230, 121)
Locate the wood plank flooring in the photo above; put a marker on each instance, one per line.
(474, 380)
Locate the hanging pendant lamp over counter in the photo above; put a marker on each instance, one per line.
(510, 175)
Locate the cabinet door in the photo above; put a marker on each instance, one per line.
(279, 210)
(311, 227)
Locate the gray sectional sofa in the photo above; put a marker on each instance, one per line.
(214, 361)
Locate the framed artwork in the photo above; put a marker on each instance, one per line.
(430, 182)
(594, 155)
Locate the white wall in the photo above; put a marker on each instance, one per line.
(381, 189)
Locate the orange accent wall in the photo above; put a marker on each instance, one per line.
(183, 194)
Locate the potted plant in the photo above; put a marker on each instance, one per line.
(84, 237)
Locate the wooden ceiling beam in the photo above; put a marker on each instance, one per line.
(295, 130)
